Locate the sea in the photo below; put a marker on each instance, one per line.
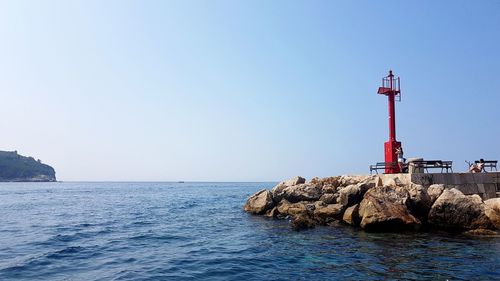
(199, 231)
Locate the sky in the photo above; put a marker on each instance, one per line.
(245, 90)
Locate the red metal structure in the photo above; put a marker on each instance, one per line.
(391, 88)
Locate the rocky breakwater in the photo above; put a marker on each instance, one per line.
(373, 205)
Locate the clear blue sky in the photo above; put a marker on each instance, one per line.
(245, 90)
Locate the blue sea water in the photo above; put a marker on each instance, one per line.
(198, 231)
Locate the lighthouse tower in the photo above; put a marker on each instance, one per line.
(391, 89)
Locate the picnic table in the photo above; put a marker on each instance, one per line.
(492, 164)
(433, 164)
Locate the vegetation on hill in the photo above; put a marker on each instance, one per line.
(15, 167)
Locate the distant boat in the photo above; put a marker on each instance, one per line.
(180, 182)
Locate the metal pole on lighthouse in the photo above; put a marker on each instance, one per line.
(392, 110)
(391, 88)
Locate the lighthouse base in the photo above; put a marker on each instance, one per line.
(390, 156)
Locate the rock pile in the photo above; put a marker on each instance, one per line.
(365, 202)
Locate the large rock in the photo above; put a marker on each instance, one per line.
(272, 213)
(349, 180)
(330, 211)
(302, 222)
(294, 181)
(328, 189)
(259, 202)
(493, 216)
(351, 215)
(352, 194)
(292, 209)
(419, 201)
(370, 180)
(393, 182)
(493, 203)
(435, 191)
(327, 185)
(455, 211)
(277, 191)
(329, 198)
(384, 208)
(330, 181)
(318, 204)
(354, 180)
(492, 211)
(297, 193)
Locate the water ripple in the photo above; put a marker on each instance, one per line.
(198, 231)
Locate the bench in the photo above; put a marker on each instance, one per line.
(489, 164)
(382, 166)
(429, 164)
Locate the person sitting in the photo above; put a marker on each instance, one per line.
(401, 159)
(477, 167)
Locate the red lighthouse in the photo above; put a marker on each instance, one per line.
(390, 88)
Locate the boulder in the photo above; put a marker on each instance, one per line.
(329, 198)
(493, 203)
(370, 180)
(272, 213)
(419, 201)
(435, 191)
(455, 211)
(384, 208)
(259, 202)
(493, 216)
(492, 211)
(392, 182)
(310, 207)
(302, 222)
(351, 215)
(328, 189)
(294, 181)
(333, 211)
(349, 195)
(292, 209)
(319, 204)
(315, 180)
(297, 193)
(330, 181)
(352, 194)
(365, 186)
(278, 189)
(349, 180)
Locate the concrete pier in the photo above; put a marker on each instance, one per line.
(485, 185)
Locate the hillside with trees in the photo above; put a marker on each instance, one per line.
(15, 167)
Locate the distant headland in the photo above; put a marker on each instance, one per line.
(18, 168)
